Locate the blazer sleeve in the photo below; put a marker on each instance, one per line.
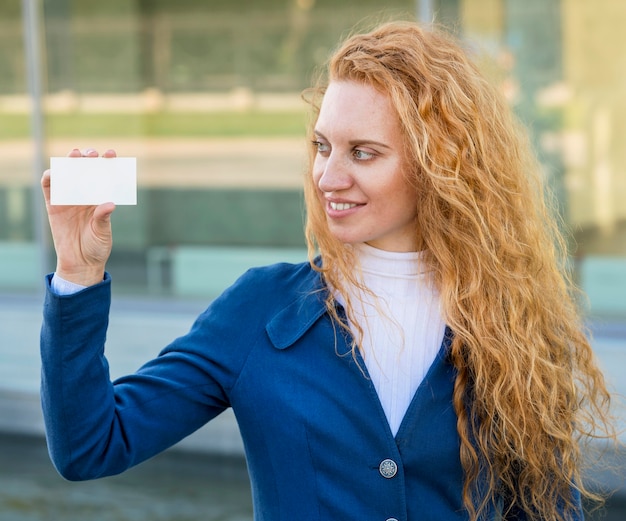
(95, 427)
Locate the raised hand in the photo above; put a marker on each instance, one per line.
(81, 234)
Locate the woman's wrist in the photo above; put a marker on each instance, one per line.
(82, 277)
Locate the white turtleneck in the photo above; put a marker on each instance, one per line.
(402, 325)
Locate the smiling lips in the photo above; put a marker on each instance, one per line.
(342, 206)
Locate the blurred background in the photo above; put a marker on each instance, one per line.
(206, 95)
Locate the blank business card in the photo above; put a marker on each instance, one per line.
(93, 180)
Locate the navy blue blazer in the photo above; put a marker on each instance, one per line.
(317, 442)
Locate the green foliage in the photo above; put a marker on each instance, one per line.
(14, 126)
(184, 46)
(162, 124)
(225, 124)
(10, 9)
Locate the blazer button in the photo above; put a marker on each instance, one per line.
(392, 519)
(388, 468)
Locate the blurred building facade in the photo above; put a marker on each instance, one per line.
(151, 78)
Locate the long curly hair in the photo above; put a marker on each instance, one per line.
(528, 389)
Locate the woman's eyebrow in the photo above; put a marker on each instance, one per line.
(356, 142)
(319, 134)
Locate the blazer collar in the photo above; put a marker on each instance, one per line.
(294, 320)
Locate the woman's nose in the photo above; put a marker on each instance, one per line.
(334, 174)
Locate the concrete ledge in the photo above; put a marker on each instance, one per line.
(207, 271)
(603, 279)
(20, 412)
(19, 265)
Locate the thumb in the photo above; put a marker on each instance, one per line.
(102, 216)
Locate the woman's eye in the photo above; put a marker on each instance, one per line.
(362, 155)
(321, 147)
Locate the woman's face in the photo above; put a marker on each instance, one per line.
(359, 169)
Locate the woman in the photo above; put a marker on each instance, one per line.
(428, 364)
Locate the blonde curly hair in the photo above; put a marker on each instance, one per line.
(527, 389)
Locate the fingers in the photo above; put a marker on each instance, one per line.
(90, 152)
(45, 179)
(45, 185)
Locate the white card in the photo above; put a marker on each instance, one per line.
(93, 180)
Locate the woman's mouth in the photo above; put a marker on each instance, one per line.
(341, 206)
